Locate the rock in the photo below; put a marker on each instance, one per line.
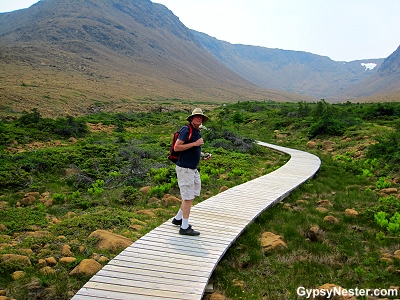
(301, 202)
(223, 189)
(389, 191)
(324, 203)
(27, 251)
(41, 262)
(18, 275)
(51, 261)
(351, 212)
(170, 200)
(270, 241)
(214, 296)
(103, 260)
(87, 267)
(315, 234)
(109, 241)
(153, 200)
(67, 260)
(331, 219)
(145, 189)
(322, 209)
(34, 194)
(397, 254)
(287, 206)
(328, 146)
(147, 212)
(66, 250)
(14, 260)
(136, 227)
(28, 200)
(47, 271)
(38, 234)
(311, 145)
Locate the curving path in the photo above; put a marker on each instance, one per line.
(165, 265)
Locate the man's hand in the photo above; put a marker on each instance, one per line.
(199, 142)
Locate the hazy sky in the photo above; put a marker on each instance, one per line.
(343, 30)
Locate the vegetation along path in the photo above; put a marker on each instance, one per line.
(165, 265)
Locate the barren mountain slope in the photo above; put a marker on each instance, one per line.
(69, 57)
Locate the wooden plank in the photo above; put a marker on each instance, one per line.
(195, 287)
(165, 268)
(149, 263)
(170, 248)
(172, 259)
(199, 245)
(156, 294)
(96, 294)
(177, 276)
(132, 251)
(150, 274)
(141, 277)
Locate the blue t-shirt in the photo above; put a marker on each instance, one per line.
(189, 158)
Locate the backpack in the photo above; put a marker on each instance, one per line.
(173, 155)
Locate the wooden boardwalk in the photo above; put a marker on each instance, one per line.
(165, 265)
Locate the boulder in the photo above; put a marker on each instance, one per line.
(145, 189)
(315, 234)
(324, 203)
(389, 191)
(87, 267)
(46, 271)
(28, 200)
(351, 212)
(14, 260)
(66, 250)
(322, 209)
(270, 241)
(67, 260)
(331, 219)
(311, 145)
(51, 261)
(18, 275)
(223, 189)
(109, 241)
(170, 200)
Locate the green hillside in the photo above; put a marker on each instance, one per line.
(62, 179)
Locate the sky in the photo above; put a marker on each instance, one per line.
(343, 30)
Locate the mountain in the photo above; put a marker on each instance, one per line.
(384, 85)
(69, 57)
(292, 71)
(72, 57)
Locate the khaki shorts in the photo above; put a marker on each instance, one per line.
(189, 182)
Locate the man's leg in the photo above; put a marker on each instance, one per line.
(185, 207)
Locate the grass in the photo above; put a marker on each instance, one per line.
(347, 253)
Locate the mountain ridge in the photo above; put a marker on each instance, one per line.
(295, 71)
(66, 57)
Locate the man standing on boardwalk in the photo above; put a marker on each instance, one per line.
(186, 169)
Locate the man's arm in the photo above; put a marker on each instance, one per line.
(181, 146)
